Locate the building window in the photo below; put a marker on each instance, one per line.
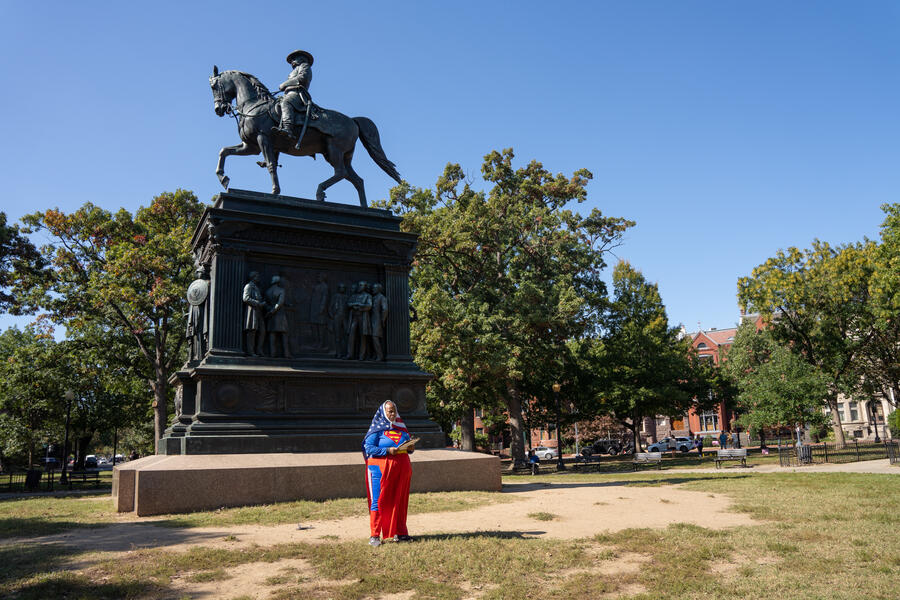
(478, 412)
(702, 346)
(854, 411)
(479, 430)
(709, 421)
(661, 421)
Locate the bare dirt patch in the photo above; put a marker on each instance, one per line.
(582, 509)
(254, 580)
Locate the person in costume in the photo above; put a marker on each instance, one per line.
(388, 473)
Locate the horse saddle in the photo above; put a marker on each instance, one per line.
(319, 118)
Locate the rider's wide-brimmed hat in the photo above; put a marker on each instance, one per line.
(300, 53)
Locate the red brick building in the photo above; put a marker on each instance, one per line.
(710, 344)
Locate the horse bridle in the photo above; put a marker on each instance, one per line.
(219, 95)
(219, 98)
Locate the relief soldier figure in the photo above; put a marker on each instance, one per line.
(318, 311)
(379, 315)
(360, 305)
(276, 319)
(337, 311)
(198, 317)
(254, 326)
(296, 100)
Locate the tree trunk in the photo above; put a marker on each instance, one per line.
(516, 445)
(636, 432)
(160, 416)
(82, 444)
(836, 420)
(762, 438)
(467, 430)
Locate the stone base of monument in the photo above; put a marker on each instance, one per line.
(183, 483)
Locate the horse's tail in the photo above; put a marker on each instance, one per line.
(368, 135)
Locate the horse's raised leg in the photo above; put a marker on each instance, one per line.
(336, 159)
(356, 180)
(271, 157)
(240, 150)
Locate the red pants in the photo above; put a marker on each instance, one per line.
(387, 479)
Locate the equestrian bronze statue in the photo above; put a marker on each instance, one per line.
(323, 131)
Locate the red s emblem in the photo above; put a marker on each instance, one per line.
(393, 435)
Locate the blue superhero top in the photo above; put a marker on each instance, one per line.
(378, 443)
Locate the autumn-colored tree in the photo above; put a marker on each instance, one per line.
(119, 272)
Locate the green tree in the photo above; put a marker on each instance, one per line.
(881, 364)
(643, 367)
(500, 282)
(816, 302)
(17, 254)
(32, 370)
(777, 388)
(121, 273)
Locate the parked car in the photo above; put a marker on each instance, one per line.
(545, 453)
(681, 444)
(604, 446)
(90, 461)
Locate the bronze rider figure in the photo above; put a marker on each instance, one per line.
(296, 91)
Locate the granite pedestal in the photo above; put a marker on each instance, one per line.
(173, 484)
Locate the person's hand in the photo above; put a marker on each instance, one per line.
(411, 450)
(392, 451)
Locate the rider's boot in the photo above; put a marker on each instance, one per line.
(286, 127)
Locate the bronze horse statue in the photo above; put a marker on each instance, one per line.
(332, 134)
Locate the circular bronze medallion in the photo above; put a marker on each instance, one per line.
(198, 291)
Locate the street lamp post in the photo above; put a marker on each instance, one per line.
(69, 396)
(560, 466)
(874, 421)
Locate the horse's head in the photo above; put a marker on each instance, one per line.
(223, 91)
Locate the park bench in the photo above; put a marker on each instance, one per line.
(646, 458)
(85, 476)
(582, 460)
(733, 454)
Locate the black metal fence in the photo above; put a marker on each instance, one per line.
(791, 455)
(27, 481)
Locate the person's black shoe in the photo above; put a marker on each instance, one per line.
(402, 538)
(374, 541)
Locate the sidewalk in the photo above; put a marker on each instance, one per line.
(882, 466)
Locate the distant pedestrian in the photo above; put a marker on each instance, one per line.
(723, 440)
(735, 440)
(134, 455)
(535, 462)
(698, 444)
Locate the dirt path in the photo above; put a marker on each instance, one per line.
(574, 510)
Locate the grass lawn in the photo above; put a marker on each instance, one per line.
(821, 535)
(52, 514)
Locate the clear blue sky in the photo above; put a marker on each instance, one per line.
(727, 130)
